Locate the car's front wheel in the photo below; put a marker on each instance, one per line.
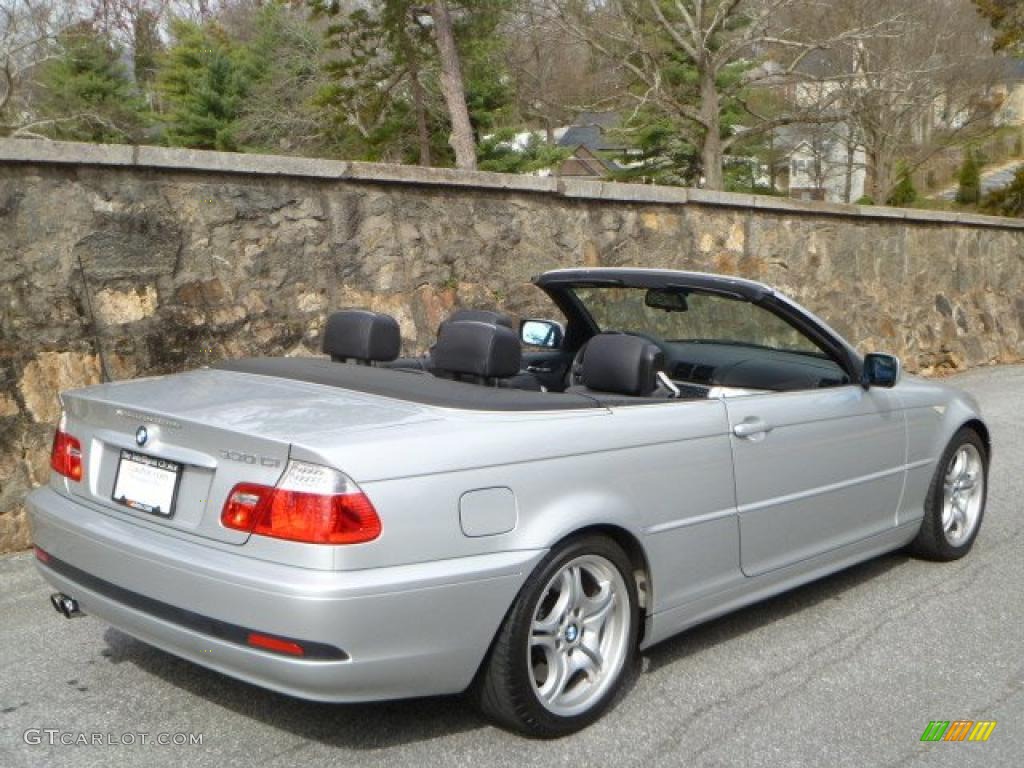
(567, 644)
(955, 503)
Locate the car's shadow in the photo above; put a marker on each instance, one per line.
(380, 725)
(769, 611)
(368, 726)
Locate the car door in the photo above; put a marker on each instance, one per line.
(815, 470)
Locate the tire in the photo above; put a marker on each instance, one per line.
(567, 644)
(954, 507)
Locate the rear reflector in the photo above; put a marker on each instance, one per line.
(271, 643)
(42, 555)
(66, 455)
(311, 504)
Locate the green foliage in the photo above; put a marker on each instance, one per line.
(865, 200)
(283, 50)
(376, 62)
(663, 156)
(354, 79)
(1008, 201)
(904, 193)
(496, 153)
(490, 94)
(148, 47)
(382, 72)
(204, 79)
(87, 94)
(969, 191)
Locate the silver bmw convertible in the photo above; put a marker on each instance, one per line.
(515, 515)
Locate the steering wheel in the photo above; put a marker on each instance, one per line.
(574, 376)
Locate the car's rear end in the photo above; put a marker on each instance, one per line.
(183, 511)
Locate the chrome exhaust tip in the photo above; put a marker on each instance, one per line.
(67, 606)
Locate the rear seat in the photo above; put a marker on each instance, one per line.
(478, 316)
(424, 362)
(361, 336)
(481, 353)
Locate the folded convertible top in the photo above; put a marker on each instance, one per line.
(413, 386)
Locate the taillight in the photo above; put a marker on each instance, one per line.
(312, 504)
(278, 644)
(66, 454)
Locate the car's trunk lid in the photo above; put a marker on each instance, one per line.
(210, 430)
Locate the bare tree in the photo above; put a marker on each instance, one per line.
(199, 11)
(279, 111)
(555, 75)
(910, 94)
(717, 41)
(134, 26)
(28, 37)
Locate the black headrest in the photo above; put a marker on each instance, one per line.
(358, 334)
(479, 316)
(623, 364)
(477, 349)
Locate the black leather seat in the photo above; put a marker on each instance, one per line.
(478, 316)
(361, 336)
(521, 379)
(477, 352)
(622, 368)
(425, 363)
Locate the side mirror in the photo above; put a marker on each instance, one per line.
(880, 371)
(541, 333)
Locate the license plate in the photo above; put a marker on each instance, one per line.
(146, 483)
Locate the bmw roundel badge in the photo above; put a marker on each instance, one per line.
(141, 436)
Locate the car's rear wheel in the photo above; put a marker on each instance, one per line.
(956, 498)
(567, 644)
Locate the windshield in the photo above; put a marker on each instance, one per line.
(691, 316)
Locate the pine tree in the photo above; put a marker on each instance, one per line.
(1008, 201)
(204, 79)
(385, 99)
(381, 101)
(87, 93)
(904, 193)
(969, 191)
(146, 37)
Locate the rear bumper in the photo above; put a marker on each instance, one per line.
(413, 630)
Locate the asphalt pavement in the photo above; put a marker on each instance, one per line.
(844, 672)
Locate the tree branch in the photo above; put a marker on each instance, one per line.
(669, 27)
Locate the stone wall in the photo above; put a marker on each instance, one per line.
(187, 257)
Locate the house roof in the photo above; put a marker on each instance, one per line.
(820, 64)
(789, 138)
(588, 162)
(591, 131)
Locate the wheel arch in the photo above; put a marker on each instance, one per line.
(637, 555)
(979, 426)
(633, 549)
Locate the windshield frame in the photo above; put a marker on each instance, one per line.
(581, 327)
(818, 352)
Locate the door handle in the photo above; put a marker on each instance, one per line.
(538, 369)
(751, 428)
